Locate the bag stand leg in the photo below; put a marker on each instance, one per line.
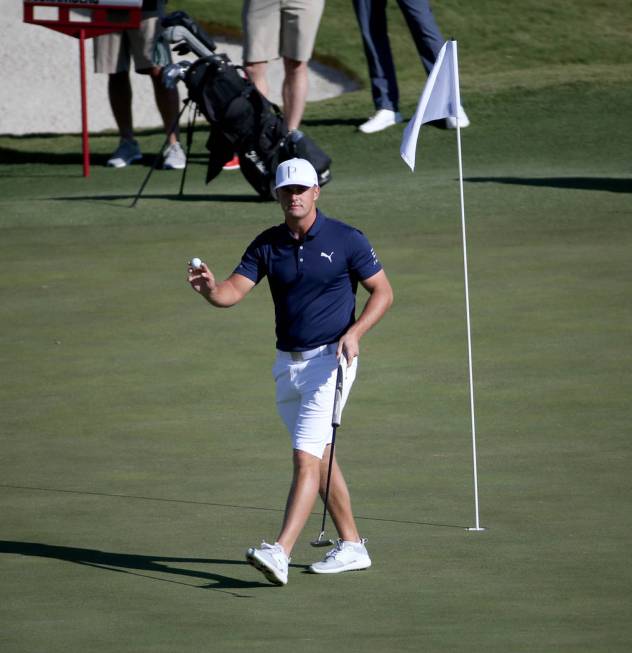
(190, 129)
(159, 155)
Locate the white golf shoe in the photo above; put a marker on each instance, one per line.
(271, 560)
(345, 556)
(464, 121)
(381, 120)
(174, 157)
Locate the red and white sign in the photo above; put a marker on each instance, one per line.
(94, 17)
(84, 19)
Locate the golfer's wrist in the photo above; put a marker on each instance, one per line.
(355, 332)
(209, 293)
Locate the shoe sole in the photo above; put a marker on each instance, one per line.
(375, 131)
(379, 129)
(124, 164)
(259, 565)
(352, 566)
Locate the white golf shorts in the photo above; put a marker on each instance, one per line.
(305, 392)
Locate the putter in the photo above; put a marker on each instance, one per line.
(335, 423)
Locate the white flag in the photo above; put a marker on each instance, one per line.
(440, 99)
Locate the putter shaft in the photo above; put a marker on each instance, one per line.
(335, 423)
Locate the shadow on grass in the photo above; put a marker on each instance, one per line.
(327, 122)
(173, 197)
(610, 184)
(10, 156)
(133, 564)
(356, 122)
(219, 505)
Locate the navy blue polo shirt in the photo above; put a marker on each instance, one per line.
(313, 281)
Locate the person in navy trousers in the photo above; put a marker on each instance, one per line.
(371, 15)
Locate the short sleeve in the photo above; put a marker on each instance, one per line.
(252, 264)
(362, 258)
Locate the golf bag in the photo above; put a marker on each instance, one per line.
(242, 121)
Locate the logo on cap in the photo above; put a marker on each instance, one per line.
(299, 172)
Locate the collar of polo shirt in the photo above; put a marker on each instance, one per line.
(313, 230)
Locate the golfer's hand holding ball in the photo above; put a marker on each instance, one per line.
(201, 278)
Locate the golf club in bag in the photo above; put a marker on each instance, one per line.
(335, 423)
(242, 121)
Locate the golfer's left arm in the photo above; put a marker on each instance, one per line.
(380, 300)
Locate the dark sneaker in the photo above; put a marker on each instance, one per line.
(127, 152)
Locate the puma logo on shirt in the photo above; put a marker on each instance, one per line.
(327, 256)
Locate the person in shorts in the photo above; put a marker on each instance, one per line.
(287, 29)
(113, 54)
(314, 265)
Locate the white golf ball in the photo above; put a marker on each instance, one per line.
(196, 263)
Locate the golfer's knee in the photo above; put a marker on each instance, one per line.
(305, 462)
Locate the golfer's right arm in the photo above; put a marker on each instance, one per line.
(223, 294)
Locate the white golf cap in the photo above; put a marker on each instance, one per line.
(296, 172)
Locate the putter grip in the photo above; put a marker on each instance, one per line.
(337, 414)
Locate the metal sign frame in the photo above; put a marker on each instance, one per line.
(85, 19)
(93, 17)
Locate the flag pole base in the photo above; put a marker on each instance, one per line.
(476, 528)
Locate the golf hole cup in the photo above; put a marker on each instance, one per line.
(196, 263)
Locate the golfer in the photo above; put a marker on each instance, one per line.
(313, 264)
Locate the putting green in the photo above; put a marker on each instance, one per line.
(141, 452)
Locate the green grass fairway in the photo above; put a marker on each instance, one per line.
(141, 453)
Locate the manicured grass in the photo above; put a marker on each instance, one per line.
(141, 452)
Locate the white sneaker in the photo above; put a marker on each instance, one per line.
(126, 153)
(271, 560)
(174, 157)
(381, 120)
(464, 121)
(345, 556)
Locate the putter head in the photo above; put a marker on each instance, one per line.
(322, 542)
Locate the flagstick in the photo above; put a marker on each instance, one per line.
(467, 291)
(440, 99)
(469, 332)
